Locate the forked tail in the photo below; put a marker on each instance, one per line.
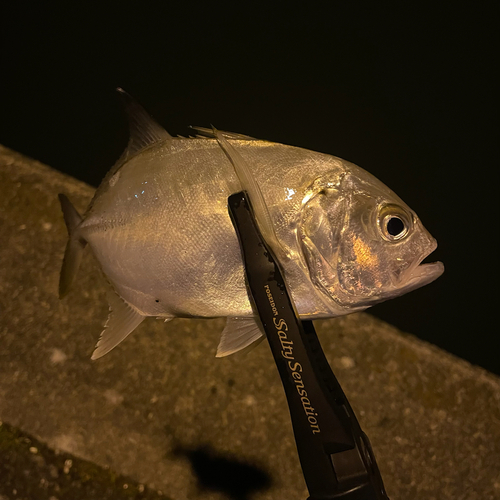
(74, 247)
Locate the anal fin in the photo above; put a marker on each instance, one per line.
(238, 334)
(122, 321)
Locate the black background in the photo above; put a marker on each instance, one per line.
(405, 92)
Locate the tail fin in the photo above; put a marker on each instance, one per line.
(74, 247)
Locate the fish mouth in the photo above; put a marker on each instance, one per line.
(421, 274)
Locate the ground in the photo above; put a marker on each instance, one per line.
(161, 411)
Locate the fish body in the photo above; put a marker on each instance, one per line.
(162, 232)
(160, 229)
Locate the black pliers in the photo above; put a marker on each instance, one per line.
(336, 457)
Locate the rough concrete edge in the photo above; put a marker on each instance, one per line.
(30, 468)
(51, 175)
(61, 180)
(445, 357)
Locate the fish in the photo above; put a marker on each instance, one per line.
(159, 227)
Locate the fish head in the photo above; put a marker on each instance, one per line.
(362, 244)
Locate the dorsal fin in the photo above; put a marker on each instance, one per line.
(208, 132)
(144, 130)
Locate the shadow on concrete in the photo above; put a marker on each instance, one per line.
(215, 472)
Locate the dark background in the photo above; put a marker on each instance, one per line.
(406, 93)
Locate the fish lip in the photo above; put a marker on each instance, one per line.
(422, 275)
(428, 270)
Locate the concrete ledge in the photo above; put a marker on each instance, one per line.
(160, 403)
(30, 470)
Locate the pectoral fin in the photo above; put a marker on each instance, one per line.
(122, 321)
(238, 334)
(250, 185)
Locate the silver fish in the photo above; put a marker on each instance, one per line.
(159, 226)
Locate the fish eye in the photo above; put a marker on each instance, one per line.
(394, 223)
(394, 226)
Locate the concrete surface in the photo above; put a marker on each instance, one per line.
(163, 411)
(30, 470)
